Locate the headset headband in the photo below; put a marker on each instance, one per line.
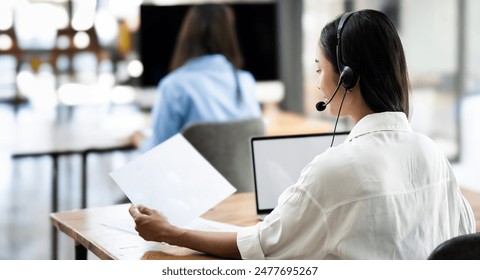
(341, 24)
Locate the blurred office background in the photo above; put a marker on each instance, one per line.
(91, 64)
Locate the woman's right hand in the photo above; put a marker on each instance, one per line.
(152, 225)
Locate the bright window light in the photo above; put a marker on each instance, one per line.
(106, 80)
(78, 94)
(124, 9)
(33, 29)
(26, 82)
(123, 94)
(6, 42)
(81, 40)
(135, 68)
(83, 14)
(6, 14)
(106, 27)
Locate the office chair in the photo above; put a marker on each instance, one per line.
(464, 247)
(226, 145)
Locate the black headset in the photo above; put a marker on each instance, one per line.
(348, 77)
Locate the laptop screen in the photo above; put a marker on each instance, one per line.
(278, 161)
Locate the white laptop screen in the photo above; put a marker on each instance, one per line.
(278, 161)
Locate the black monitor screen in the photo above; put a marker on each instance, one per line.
(256, 25)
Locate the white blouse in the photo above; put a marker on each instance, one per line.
(386, 193)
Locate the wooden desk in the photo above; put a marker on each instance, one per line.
(279, 122)
(87, 227)
(473, 198)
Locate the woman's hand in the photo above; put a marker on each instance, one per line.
(137, 138)
(152, 225)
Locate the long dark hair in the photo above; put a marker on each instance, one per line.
(371, 47)
(207, 29)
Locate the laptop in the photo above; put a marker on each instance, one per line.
(279, 160)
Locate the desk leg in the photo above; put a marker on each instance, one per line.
(84, 179)
(54, 202)
(80, 251)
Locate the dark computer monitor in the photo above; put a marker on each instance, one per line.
(257, 31)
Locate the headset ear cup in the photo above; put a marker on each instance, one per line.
(348, 78)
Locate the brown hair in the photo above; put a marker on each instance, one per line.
(207, 29)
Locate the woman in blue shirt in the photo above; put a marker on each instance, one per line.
(205, 83)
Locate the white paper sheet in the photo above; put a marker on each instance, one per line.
(199, 223)
(209, 225)
(175, 179)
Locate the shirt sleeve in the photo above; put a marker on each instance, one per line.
(248, 243)
(167, 114)
(296, 229)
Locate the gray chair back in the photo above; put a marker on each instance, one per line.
(226, 145)
(463, 247)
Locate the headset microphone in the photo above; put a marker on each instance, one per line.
(322, 105)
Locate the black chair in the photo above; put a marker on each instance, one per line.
(464, 247)
(226, 145)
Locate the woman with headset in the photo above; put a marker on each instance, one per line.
(386, 193)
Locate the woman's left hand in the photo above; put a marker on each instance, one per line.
(137, 138)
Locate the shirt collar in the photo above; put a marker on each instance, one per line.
(386, 121)
(211, 61)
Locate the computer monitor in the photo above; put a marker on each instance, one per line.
(256, 24)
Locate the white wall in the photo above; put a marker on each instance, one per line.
(429, 33)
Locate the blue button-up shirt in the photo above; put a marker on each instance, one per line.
(204, 89)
